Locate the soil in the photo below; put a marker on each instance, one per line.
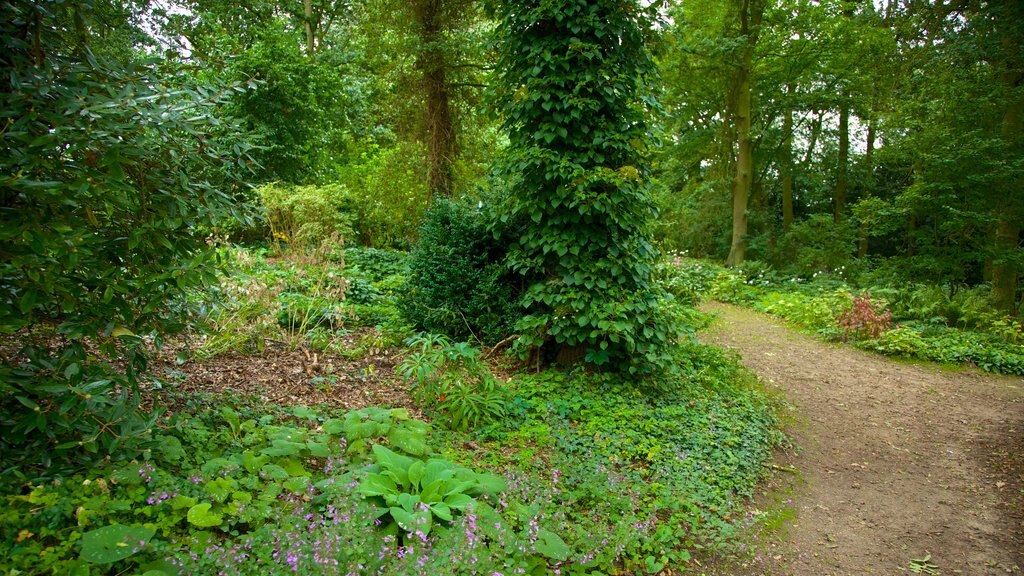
(289, 376)
(894, 462)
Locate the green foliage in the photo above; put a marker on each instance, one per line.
(387, 189)
(363, 428)
(687, 280)
(935, 326)
(819, 312)
(112, 543)
(932, 304)
(308, 216)
(458, 285)
(452, 380)
(816, 244)
(572, 89)
(112, 167)
(304, 106)
(300, 312)
(376, 264)
(658, 471)
(415, 492)
(900, 341)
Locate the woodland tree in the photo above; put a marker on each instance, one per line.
(572, 86)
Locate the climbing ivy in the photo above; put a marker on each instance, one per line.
(572, 88)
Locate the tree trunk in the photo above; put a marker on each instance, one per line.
(842, 176)
(307, 12)
(439, 121)
(1004, 269)
(869, 151)
(744, 169)
(815, 132)
(750, 23)
(787, 166)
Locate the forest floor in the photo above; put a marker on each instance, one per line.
(897, 468)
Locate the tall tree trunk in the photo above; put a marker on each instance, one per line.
(842, 175)
(1004, 273)
(787, 165)
(744, 168)
(1004, 268)
(750, 23)
(307, 12)
(440, 124)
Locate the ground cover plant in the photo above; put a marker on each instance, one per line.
(910, 320)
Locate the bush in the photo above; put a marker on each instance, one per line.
(458, 283)
(106, 201)
(307, 215)
(964, 307)
(388, 191)
(685, 279)
(376, 263)
(864, 319)
(812, 312)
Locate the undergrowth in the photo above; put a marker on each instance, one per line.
(550, 472)
(914, 321)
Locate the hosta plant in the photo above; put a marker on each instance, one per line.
(414, 492)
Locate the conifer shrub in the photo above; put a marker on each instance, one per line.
(458, 284)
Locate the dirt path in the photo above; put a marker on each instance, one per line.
(895, 460)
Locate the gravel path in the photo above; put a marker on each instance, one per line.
(895, 461)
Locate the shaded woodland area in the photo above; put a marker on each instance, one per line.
(412, 286)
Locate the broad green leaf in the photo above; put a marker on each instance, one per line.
(377, 485)
(112, 543)
(200, 516)
(551, 545)
(394, 463)
(416, 472)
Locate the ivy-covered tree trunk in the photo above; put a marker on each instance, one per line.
(572, 88)
(439, 121)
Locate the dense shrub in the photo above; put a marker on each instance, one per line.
(685, 279)
(376, 264)
(864, 319)
(963, 307)
(458, 283)
(388, 191)
(106, 203)
(307, 215)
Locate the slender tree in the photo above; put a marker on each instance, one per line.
(740, 106)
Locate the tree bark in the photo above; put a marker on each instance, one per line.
(1004, 274)
(440, 126)
(842, 176)
(787, 165)
(307, 12)
(750, 21)
(1004, 269)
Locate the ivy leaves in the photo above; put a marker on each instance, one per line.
(572, 92)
